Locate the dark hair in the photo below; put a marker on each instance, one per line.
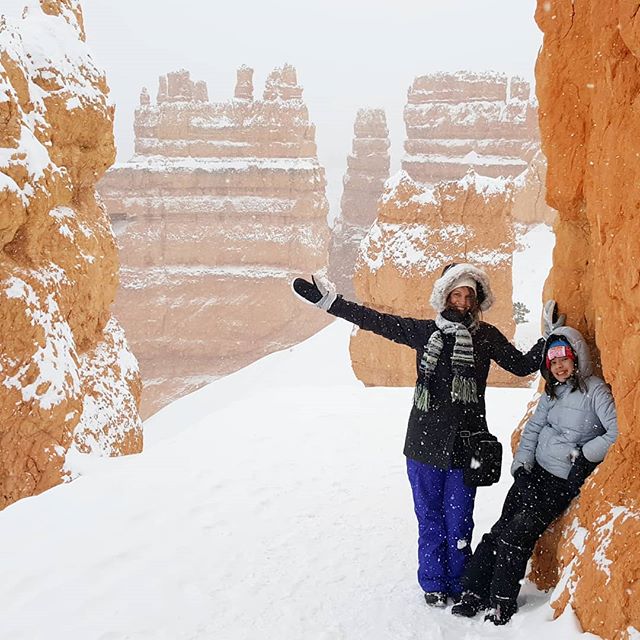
(575, 380)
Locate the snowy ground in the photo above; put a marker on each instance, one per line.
(531, 264)
(272, 504)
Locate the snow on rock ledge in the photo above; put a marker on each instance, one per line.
(420, 229)
(61, 354)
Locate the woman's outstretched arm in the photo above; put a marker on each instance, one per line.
(408, 331)
(512, 359)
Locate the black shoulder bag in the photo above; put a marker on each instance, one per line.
(482, 458)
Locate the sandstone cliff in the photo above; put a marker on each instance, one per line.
(66, 374)
(417, 232)
(367, 171)
(222, 205)
(588, 80)
(457, 121)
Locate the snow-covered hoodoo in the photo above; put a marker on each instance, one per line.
(417, 232)
(66, 373)
(222, 205)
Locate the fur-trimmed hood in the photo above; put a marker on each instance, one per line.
(446, 283)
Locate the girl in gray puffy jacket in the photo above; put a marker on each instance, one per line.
(569, 433)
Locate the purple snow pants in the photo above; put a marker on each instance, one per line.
(444, 508)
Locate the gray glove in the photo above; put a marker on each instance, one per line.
(550, 318)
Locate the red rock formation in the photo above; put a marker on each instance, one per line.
(418, 231)
(588, 80)
(458, 121)
(66, 373)
(222, 205)
(367, 171)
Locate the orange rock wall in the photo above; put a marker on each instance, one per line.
(66, 374)
(588, 83)
(417, 232)
(367, 171)
(221, 207)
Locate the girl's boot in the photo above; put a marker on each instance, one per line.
(502, 612)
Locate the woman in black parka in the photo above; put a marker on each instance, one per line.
(453, 354)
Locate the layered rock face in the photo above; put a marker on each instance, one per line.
(67, 376)
(588, 80)
(460, 121)
(222, 205)
(417, 232)
(367, 171)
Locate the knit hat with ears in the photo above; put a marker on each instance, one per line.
(459, 275)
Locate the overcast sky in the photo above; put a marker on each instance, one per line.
(348, 53)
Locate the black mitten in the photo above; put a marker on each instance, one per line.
(307, 290)
(580, 471)
(520, 472)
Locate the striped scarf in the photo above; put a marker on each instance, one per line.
(463, 388)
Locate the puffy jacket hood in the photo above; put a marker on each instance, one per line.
(579, 346)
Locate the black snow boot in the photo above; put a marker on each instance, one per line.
(468, 606)
(502, 612)
(435, 598)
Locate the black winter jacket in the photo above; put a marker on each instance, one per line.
(432, 436)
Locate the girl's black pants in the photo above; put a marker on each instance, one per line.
(499, 562)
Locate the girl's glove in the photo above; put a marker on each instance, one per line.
(580, 471)
(517, 466)
(319, 292)
(550, 318)
(519, 472)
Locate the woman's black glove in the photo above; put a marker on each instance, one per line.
(319, 292)
(307, 290)
(580, 471)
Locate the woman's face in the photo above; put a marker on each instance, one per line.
(562, 368)
(462, 299)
